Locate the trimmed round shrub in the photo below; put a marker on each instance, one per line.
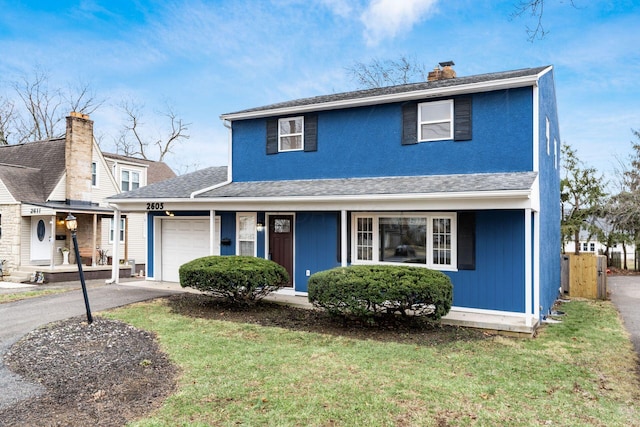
(367, 291)
(234, 278)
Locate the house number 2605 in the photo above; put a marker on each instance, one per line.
(155, 206)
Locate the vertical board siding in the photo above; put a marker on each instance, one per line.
(367, 141)
(315, 244)
(498, 282)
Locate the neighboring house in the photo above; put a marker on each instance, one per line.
(594, 246)
(458, 174)
(42, 182)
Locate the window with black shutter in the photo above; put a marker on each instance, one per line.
(292, 134)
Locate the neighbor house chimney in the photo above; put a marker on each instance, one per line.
(446, 72)
(78, 150)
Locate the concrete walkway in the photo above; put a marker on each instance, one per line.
(625, 295)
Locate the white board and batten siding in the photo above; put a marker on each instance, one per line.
(182, 241)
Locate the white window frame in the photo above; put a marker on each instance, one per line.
(130, 181)
(94, 174)
(285, 135)
(122, 228)
(250, 237)
(426, 120)
(428, 216)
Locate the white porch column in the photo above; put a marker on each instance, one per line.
(115, 258)
(343, 238)
(212, 231)
(95, 240)
(528, 290)
(536, 265)
(52, 241)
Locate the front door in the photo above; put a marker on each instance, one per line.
(281, 242)
(40, 239)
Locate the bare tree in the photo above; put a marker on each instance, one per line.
(535, 9)
(389, 72)
(40, 111)
(7, 116)
(133, 140)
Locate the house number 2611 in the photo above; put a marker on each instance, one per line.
(155, 206)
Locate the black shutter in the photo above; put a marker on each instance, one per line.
(311, 132)
(462, 119)
(409, 123)
(272, 136)
(466, 241)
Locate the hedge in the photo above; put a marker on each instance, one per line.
(368, 291)
(234, 278)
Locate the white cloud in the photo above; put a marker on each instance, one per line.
(386, 18)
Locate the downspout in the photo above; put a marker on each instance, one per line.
(229, 166)
(115, 258)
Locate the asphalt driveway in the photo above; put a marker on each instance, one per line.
(625, 294)
(21, 317)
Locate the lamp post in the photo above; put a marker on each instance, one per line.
(72, 226)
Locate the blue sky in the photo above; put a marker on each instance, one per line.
(206, 58)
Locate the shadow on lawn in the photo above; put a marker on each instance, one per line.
(407, 331)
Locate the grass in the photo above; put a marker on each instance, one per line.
(578, 372)
(16, 296)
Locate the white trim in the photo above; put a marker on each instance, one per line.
(487, 311)
(536, 129)
(536, 265)
(511, 83)
(115, 249)
(212, 231)
(344, 236)
(527, 268)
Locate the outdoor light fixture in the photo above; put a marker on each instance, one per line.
(260, 227)
(72, 225)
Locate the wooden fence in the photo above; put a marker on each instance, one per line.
(584, 275)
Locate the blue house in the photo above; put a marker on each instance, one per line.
(458, 174)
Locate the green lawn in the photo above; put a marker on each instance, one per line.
(16, 296)
(579, 372)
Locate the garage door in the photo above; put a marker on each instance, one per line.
(182, 241)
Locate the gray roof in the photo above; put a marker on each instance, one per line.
(398, 89)
(32, 170)
(179, 187)
(183, 186)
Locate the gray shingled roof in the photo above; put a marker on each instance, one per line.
(179, 187)
(391, 90)
(32, 170)
(183, 186)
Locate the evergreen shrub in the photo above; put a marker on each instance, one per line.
(369, 291)
(236, 279)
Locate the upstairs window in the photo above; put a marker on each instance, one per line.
(444, 120)
(112, 229)
(290, 133)
(130, 180)
(435, 120)
(94, 174)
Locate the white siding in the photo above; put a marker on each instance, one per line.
(60, 191)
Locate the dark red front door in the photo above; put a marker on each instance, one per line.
(281, 242)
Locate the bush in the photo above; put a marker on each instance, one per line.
(369, 291)
(233, 278)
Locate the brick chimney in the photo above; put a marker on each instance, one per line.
(78, 151)
(443, 71)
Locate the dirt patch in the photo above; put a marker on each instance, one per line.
(109, 373)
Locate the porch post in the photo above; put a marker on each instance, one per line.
(95, 240)
(527, 268)
(52, 241)
(536, 265)
(212, 231)
(343, 238)
(115, 259)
